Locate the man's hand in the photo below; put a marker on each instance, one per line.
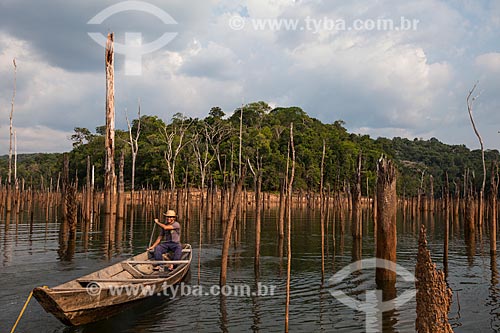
(156, 221)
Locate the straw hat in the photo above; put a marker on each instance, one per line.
(170, 213)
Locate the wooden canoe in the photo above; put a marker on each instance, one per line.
(100, 295)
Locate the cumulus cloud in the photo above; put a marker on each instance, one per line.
(489, 62)
(395, 83)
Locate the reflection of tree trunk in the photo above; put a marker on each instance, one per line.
(229, 229)
(281, 216)
(223, 314)
(470, 226)
(389, 318)
(494, 279)
(356, 249)
(386, 224)
(281, 241)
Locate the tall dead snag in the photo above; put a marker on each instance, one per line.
(64, 188)
(229, 228)
(134, 146)
(431, 194)
(289, 230)
(174, 135)
(469, 225)
(493, 205)
(257, 176)
(109, 167)
(470, 102)
(386, 218)
(356, 228)
(322, 212)
(433, 295)
(446, 223)
(71, 208)
(121, 188)
(281, 215)
(9, 185)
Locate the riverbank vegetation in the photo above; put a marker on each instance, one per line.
(203, 151)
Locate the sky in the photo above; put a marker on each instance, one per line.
(387, 68)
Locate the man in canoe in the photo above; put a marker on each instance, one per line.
(169, 238)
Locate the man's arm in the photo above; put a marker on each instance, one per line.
(155, 243)
(164, 226)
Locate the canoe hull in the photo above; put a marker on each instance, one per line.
(74, 304)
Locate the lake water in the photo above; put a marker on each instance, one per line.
(31, 255)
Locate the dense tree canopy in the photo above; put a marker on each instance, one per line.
(209, 148)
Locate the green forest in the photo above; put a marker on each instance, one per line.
(199, 152)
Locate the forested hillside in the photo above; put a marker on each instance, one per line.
(201, 151)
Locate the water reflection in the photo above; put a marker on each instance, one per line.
(37, 251)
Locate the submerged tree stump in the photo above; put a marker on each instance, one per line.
(386, 218)
(109, 165)
(433, 294)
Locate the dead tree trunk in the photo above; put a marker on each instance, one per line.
(121, 188)
(431, 194)
(109, 167)
(9, 185)
(470, 101)
(64, 187)
(258, 213)
(322, 212)
(446, 195)
(229, 228)
(493, 203)
(433, 294)
(134, 147)
(386, 223)
(88, 193)
(356, 228)
(289, 230)
(281, 216)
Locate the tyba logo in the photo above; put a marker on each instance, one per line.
(133, 49)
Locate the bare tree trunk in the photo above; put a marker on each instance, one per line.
(322, 212)
(289, 231)
(134, 147)
(258, 212)
(493, 201)
(431, 194)
(88, 193)
(433, 294)
(9, 185)
(446, 224)
(470, 102)
(356, 228)
(241, 138)
(109, 168)
(229, 228)
(386, 224)
(121, 188)
(281, 217)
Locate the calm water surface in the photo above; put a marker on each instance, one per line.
(31, 255)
